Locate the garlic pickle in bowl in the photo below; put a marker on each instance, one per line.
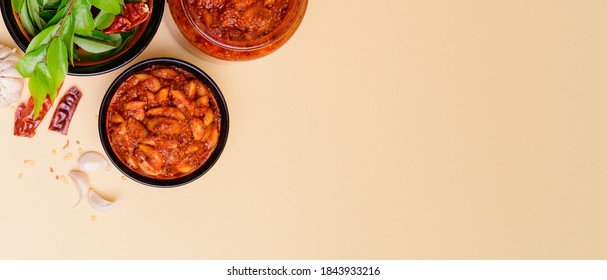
(236, 30)
(163, 122)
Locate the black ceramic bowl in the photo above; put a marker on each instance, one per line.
(141, 40)
(204, 78)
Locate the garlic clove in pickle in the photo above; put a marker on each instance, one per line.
(11, 82)
(81, 180)
(91, 161)
(98, 202)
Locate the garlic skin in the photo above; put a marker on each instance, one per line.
(81, 180)
(98, 202)
(91, 161)
(11, 82)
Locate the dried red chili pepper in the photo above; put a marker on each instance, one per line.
(119, 25)
(137, 13)
(134, 14)
(65, 110)
(25, 125)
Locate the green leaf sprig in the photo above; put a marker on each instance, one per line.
(58, 27)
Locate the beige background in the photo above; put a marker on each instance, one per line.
(392, 129)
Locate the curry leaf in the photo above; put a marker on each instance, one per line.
(103, 20)
(67, 35)
(83, 19)
(109, 6)
(96, 34)
(46, 16)
(51, 4)
(56, 60)
(44, 79)
(33, 11)
(37, 92)
(26, 21)
(116, 39)
(27, 64)
(58, 16)
(43, 37)
(93, 45)
(17, 4)
(119, 39)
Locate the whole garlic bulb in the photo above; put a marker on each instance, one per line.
(11, 82)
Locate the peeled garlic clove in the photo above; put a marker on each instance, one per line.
(11, 82)
(8, 70)
(5, 51)
(6, 85)
(91, 161)
(98, 202)
(81, 180)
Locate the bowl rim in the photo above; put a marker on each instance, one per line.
(221, 104)
(133, 52)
